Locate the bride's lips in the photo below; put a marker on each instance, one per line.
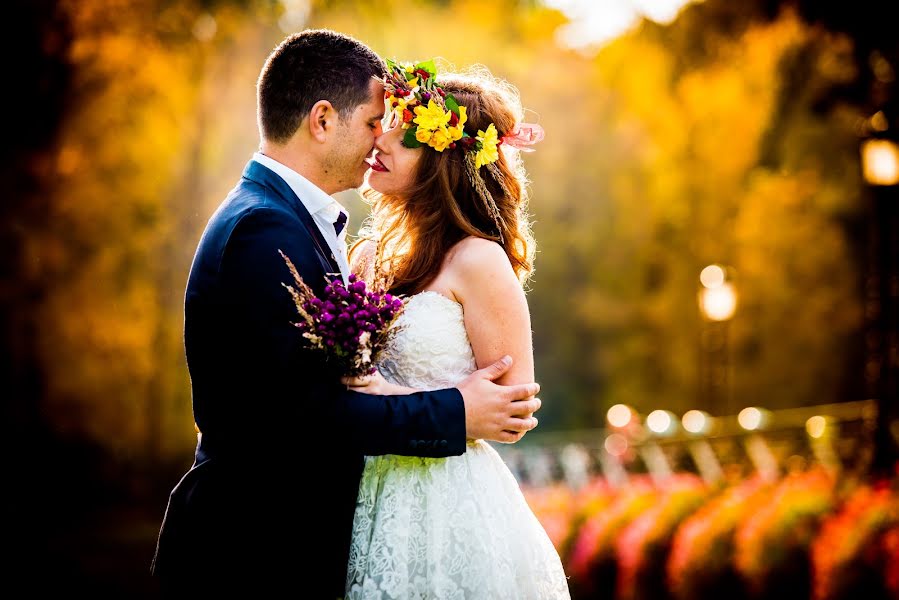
(376, 165)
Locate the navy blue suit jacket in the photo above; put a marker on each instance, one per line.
(282, 441)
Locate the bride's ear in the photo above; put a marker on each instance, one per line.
(322, 120)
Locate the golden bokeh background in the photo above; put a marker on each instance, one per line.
(722, 133)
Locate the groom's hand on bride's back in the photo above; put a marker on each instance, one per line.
(499, 413)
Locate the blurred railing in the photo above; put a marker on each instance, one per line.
(838, 436)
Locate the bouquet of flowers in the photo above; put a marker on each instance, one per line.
(351, 324)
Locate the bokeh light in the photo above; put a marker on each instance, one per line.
(718, 303)
(616, 444)
(696, 421)
(619, 415)
(712, 276)
(880, 162)
(660, 421)
(750, 418)
(816, 426)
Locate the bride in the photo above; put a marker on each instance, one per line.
(449, 231)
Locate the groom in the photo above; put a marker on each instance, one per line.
(282, 441)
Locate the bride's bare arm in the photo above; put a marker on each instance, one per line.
(497, 318)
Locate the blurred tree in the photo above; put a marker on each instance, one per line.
(716, 155)
(40, 38)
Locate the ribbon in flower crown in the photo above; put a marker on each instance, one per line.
(433, 117)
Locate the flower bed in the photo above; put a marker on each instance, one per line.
(857, 554)
(701, 563)
(772, 545)
(644, 544)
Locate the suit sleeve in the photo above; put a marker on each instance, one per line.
(299, 383)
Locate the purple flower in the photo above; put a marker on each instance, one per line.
(341, 317)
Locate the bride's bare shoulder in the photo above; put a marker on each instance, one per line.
(473, 249)
(475, 261)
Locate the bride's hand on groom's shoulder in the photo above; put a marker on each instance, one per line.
(499, 413)
(376, 385)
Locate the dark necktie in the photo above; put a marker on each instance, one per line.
(340, 223)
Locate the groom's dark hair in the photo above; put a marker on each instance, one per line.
(313, 65)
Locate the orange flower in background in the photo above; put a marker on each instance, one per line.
(592, 560)
(589, 501)
(856, 554)
(700, 564)
(643, 546)
(773, 544)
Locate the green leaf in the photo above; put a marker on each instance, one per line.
(452, 104)
(409, 140)
(428, 66)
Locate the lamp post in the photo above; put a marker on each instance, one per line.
(717, 301)
(880, 167)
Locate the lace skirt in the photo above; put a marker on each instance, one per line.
(440, 528)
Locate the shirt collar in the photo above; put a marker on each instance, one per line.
(312, 196)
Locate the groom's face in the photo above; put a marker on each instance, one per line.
(354, 140)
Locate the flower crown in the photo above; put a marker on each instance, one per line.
(431, 116)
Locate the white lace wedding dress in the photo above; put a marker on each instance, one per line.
(441, 528)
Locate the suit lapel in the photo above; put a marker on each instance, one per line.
(265, 176)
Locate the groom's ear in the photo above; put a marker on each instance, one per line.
(322, 119)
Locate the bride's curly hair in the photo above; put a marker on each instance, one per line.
(414, 232)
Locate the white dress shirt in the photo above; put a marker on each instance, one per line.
(324, 209)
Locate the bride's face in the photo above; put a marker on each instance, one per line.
(393, 165)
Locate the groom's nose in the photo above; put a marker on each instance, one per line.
(379, 141)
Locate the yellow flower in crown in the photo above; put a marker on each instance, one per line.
(440, 139)
(422, 135)
(488, 151)
(432, 117)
